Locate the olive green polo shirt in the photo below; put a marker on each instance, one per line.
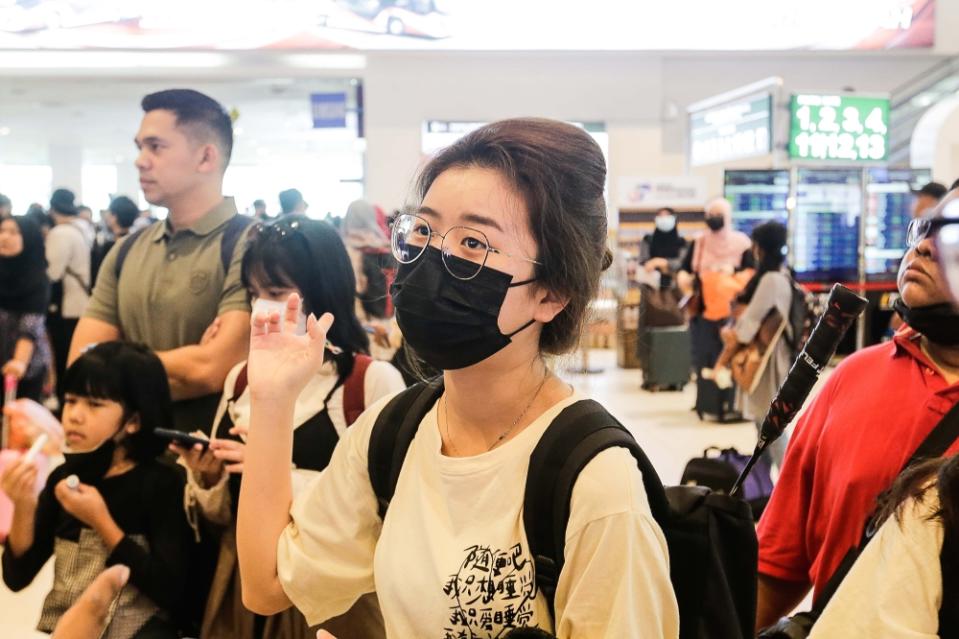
(171, 287)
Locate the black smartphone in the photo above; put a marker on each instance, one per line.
(183, 439)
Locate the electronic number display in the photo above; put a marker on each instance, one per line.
(839, 128)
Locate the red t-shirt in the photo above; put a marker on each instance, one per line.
(870, 417)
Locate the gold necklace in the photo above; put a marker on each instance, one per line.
(446, 418)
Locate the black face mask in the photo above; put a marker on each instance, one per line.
(451, 323)
(938, 323)
(715, 223)
(91, 466)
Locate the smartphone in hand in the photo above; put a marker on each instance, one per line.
(180, 438)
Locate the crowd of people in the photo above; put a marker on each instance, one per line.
(228, 389)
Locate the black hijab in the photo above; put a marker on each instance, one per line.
(24, 286)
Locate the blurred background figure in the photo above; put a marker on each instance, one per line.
(69, 249)
(292, 203)
(6, 207)
(259, 211)
(927, 198)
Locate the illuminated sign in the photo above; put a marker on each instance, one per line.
(839, 127)
(731, 131)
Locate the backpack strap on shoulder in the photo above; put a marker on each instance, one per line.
(231, 236)
(354, 389)
(393, 433)
(575, 437)
(124, 249)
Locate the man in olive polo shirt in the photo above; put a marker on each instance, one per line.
(169, 284)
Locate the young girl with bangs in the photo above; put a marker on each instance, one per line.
(111, 502)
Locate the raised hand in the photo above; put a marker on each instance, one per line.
(280, 362)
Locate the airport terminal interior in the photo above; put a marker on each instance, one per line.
(453, 319)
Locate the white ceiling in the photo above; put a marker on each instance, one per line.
(102, 115)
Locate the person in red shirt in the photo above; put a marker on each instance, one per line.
(855, 438)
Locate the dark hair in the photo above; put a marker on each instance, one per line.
(955, 185)
(311, 256)
(62, 202)
(259, 203)
(668, 209)
(560, 172)
(124, 210)
(771, 238)
(132, 375)
(202, 116)
(38, 216)
(5, 201)
(289, 199)
(915, 483)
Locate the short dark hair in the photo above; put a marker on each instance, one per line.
(310, 255)
(259, 204)
(132, 375)
(124, 210)
(561, 173)
(668, 209)
(202, 116)
(289, 199)
(4, 201)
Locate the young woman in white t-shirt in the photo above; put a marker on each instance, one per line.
(498, 266)
(306, 257)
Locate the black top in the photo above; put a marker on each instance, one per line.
(146, 500)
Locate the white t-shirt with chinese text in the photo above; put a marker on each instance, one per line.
(452, 559)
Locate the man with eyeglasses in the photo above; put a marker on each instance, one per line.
(867, 421)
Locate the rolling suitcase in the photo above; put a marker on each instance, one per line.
(666, 360)
(716, 404)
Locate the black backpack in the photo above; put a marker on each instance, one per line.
(711, 537)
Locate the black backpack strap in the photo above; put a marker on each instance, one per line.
(392, 434)
(936, 443)
(124, 249)
(231, 235)
(575, 437)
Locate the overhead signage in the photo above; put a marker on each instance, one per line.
(653, 192)
(731, 131)
(841, 128)
(329, 110)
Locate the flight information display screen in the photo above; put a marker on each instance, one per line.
(757, 197)
(889, 204)
(826, 225)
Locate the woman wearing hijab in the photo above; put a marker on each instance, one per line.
(24, 294)
(717, 260)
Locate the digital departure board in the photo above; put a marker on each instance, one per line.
(889, 203)
(825, 244)
(731, 131)
(757, 197)
(839, 128)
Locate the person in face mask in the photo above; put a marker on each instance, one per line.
(664, 249)
(716, 268)
(498, 264)
(848, 448)
(292, 255)
(111, 502)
